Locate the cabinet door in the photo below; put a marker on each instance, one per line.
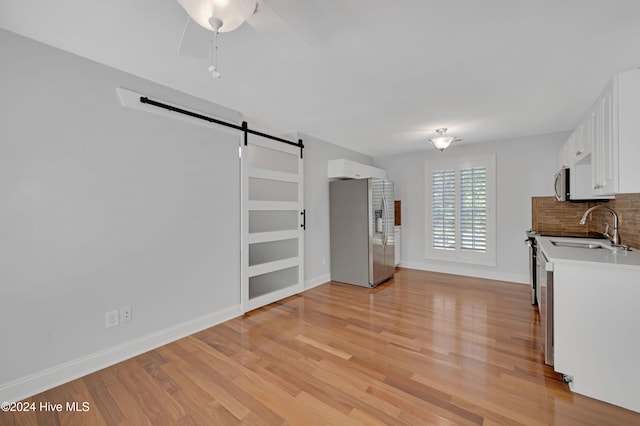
(563, 155)
(570, 148)
(595, 311)
(581, 142)
(586, 140)
(604, 170)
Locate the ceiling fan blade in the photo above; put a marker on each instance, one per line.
(194, 41)
(312, 20)
(270, 26)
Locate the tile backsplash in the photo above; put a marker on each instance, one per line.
(549, 216)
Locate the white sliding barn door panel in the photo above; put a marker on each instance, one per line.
(272, 222)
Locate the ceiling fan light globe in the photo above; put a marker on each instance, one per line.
(231, 13)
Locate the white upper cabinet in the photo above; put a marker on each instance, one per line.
(625, 131)
(563, 157)
(579, 143)
(604, 150)
(346, 169)
(615, 167)
(604, 177)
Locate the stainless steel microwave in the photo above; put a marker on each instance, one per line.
(562, 188)
(562, 185)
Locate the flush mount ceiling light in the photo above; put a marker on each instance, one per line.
(218, 16)
(442, 141)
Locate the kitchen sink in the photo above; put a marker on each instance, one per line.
(576, 244)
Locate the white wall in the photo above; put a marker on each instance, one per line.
(525, 168)
(103, 207)
(317, 153)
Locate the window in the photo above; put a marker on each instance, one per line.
(460, 210)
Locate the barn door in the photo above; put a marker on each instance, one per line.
(272, 221)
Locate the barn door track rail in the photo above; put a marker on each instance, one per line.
(244, 127)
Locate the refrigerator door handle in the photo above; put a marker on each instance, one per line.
(386, 218)
(386, 221)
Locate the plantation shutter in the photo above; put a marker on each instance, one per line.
(473, 209)
(443, 209)
(460, 218)
(459, 209)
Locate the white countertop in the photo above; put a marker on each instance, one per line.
(609, 257)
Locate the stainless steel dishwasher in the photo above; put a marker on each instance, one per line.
(545, 304)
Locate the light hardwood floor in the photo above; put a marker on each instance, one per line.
(424, 348)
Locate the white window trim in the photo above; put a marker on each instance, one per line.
(487, 258)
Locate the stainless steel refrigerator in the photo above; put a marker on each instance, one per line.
(362, 231)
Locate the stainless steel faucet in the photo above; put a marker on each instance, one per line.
(615, 238)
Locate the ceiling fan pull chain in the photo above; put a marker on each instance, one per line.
(213, 58)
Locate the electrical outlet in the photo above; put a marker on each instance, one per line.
(125, 314)
(324, 260)
(111, 319)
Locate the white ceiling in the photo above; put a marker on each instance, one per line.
(374, 76)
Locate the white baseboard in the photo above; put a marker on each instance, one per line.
(467, 272)
(316, 281)
(33, 384)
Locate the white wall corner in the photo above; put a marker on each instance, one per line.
(316, 281)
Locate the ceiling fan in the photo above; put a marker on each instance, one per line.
(207, 18)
